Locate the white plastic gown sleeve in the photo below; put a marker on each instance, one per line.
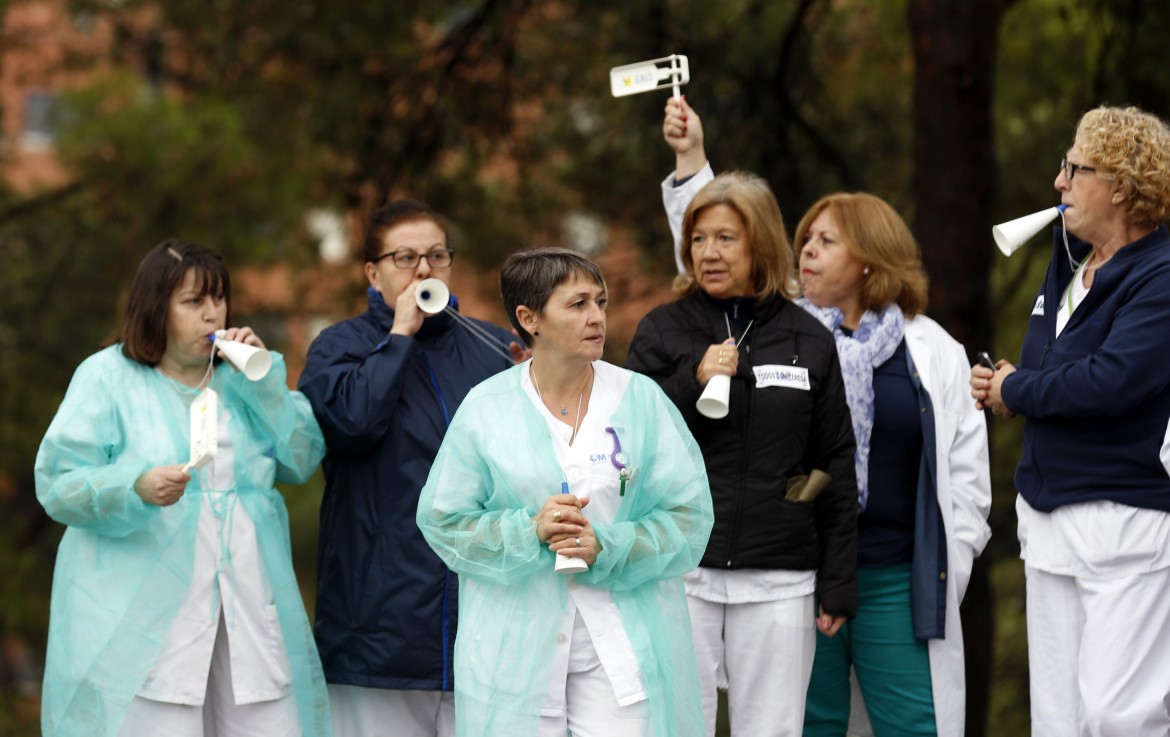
(676, 199)
(494, 471)
(123, 566)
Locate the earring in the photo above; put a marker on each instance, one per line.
(865, 271)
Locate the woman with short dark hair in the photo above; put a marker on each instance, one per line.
(568, 459)
(163, 566)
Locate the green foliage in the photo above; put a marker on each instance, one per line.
(152, 165)
(497, 112)
(816, 98)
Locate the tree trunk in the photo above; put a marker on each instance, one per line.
(954, 190)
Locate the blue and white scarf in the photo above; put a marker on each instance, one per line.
(871, 345)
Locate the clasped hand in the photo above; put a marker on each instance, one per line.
(720, 358)
(987, 387)
(563, 526)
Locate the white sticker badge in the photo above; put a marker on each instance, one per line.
(1038, 308)
(792, 377)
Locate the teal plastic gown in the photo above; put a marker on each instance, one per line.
(123, 566)
(494, 471)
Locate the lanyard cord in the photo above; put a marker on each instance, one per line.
(745, 330)
(481, 333)
(1078, 274)
(223, 506)
(1072, 262)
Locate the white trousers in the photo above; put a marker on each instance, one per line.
(382, 712)
(1099, 655)
(766, 651)
(591, 709)
(219, 716)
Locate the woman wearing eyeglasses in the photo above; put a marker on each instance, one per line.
(1094, 478)
(384, 386)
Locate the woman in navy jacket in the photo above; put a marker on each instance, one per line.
(1094, 390)
(384, 385)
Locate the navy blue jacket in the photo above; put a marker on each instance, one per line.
(386, 605)
(928, 590)
(1097, 398)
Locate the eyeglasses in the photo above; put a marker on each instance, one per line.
(407, 259)
(1070, 169)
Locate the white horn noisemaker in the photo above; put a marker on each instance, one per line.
(1011, 235)
(432, 296)
(253, 362)
(713, 402)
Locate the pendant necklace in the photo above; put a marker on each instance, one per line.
(564, 409)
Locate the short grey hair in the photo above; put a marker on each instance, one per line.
(529, 277)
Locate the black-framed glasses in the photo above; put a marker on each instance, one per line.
(408, 259)
(1070, 169)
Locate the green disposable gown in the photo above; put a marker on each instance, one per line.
(124, 566)
(494, 471)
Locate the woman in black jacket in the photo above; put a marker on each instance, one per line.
(783, 552)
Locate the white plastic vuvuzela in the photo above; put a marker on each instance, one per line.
(565, 564)
(713, 402)
(1011, 235)
(253, 362)
(432, 296)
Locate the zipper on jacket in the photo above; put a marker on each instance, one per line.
(741, 476)
(438, 392)
(1030, 450)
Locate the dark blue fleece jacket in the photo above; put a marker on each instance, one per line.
(1097, 399)
(386, 604)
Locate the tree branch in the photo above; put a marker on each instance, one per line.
(47, 199)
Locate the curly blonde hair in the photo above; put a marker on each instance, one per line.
(771, 253)
(1131, 148)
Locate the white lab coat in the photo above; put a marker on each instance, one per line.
(964, 497)
(963, 483)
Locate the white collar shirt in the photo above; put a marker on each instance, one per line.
(590, 472)
(228, 577)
